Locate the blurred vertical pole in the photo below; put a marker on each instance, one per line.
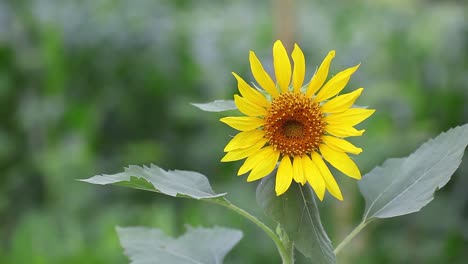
(284, 23)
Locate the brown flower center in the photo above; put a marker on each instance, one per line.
(294, 124)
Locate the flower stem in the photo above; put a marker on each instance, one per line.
(351, 236)
(286, 251)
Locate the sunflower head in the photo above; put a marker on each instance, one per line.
(301, 126)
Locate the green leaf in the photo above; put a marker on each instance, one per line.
(405, 185)
(197, 245)
(174, 183)
(297, 213)
(217, 106)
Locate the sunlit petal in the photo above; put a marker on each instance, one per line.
(340, 161)
(341, 102)
(244, 139)
(261, 75)
(284, 176)
(350, 117)
(298, 170)
(299, 68)
(248, 108)
(343, 131)
(239, 154)
(250, 93)
(320, 75)
(313, 176)
(330, 182)
(336, 84)
(342, 145)
(266, 165)
(282, 66)
(254, 159)
(243, 123)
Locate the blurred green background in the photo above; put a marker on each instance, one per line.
(90, 86)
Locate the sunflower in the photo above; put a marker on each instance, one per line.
(301, 126)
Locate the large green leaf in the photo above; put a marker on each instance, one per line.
(405, 185)
(196, 246)
(217, 106)
(297, 213)
(174, 183)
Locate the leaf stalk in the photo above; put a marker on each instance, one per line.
(351, 235)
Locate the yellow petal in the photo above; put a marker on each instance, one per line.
(248, 108)
(261, 75)
(248, 163)
(283, 176)
(342, 145)
(313, 176)
(244, 140)
(343, 131)
(282, 66)
(340, 161)
(298, 170)
(336, 84)
(330, 182)
(350, 117)
(243, 123)
(320, 75)
(266, 165)
(253, 159)
(250, 93)
(239, 154)
(299, 68)
(342, 102)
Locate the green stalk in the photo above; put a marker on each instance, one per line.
(285, 251)
(351, 235)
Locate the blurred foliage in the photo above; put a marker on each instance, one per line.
(90, 86)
